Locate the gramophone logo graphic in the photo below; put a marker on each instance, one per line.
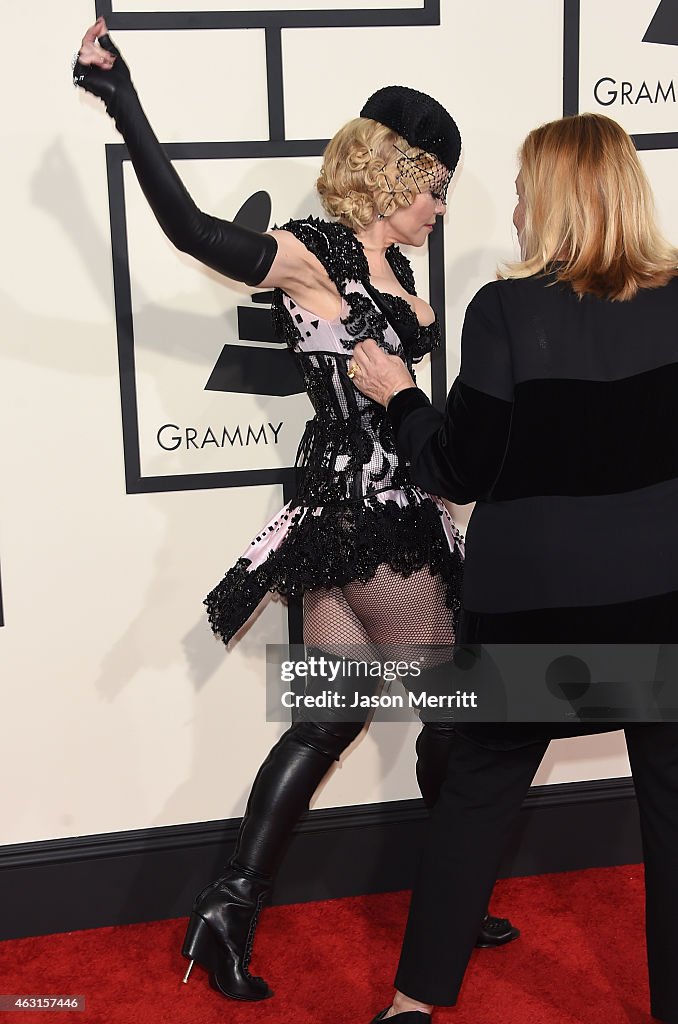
(244, 369)
(664, 26)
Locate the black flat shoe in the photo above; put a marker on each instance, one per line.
(495, 931)
(408, 1017)
(221, 932)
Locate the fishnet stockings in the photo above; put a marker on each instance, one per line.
(388, 609)
(391, 613)
(406, 617)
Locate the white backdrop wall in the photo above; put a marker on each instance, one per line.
(120, 709)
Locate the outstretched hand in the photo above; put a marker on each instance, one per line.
(91, 52)
(99, 67)
(378, 374)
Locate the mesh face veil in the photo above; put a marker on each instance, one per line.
(426, 173)
(411, 173)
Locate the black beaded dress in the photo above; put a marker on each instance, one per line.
(356, 508)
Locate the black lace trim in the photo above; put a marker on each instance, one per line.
(426, 341)
(284, 326)
(335, 547)
(318, 480)
(364, 320)
(400, 265)
(335, 246)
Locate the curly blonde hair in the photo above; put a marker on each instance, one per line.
(365, 173)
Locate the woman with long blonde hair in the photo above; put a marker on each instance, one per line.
(563, 428)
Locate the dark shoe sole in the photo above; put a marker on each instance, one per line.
(243, 999)
(487, 942)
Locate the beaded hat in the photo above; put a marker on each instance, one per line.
(420, 119)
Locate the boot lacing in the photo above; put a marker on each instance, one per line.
(250, 935)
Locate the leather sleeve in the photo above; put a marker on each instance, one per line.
(232, 250)
(458, 454)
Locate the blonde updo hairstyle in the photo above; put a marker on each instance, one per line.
(361, 177)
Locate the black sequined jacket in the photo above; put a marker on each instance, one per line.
(356, 506)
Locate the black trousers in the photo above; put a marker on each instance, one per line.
(467, 835)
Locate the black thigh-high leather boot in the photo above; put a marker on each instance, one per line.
(222, 924)
(433, 753)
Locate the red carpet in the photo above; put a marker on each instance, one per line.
(580, 960)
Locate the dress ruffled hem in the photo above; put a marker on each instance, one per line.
(306, 549)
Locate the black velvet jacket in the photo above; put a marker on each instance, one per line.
(563, 427)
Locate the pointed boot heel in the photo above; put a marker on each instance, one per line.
(200, 945)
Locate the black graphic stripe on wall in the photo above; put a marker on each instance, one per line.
(275, 84)
(571, 38)
(656, 140)
(123, 316)
(360, 17)
(436, 286)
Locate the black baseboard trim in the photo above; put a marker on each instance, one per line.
(152, 874)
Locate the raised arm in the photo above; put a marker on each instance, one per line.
(239, 253)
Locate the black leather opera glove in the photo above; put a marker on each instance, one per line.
(233, 250)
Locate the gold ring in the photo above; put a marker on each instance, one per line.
(352, 372)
